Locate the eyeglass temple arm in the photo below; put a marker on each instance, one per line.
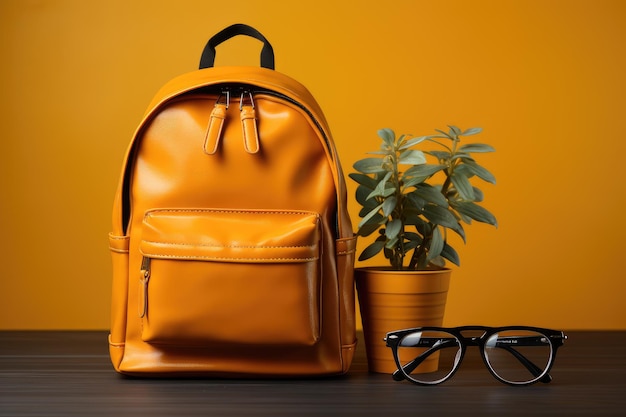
(410, 366)
(532, 368)
(531, 341)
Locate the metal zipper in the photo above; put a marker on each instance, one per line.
(247, 92)
(143, 279)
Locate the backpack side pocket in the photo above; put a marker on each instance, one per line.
(118, 245)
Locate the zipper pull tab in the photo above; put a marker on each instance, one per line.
(248, 123)
(216, 123)
(143, 293)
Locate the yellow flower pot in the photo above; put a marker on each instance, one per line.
(392, 300)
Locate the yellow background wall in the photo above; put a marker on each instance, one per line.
(544, 78)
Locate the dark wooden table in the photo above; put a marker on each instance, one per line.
(69, 374)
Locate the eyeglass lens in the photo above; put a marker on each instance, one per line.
(515, 356)
(429, 356)
(518, 356)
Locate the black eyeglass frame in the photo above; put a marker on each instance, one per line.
(554, 337)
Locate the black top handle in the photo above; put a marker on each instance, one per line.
(207, 60)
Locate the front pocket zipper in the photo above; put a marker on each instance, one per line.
(230, 276)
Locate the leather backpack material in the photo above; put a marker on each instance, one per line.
(232, 248)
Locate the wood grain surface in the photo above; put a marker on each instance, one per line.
(61, 373)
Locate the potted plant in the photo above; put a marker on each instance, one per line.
(414, 206)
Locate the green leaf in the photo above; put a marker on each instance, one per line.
(465, 157)
(393, 229)
(440, 155)
(364, 210)
(369, 165)
(362, 194)
(450, 254)
(390, 244)
(401, 140)
(380, 187)
(412, 157)
(369, 215)
(465, 218)
(431, 194)
(411, 182)
(480, 172)
(472, 131)
(385, 193)
(462, 185)
(478, 195)
(413, 142)
(414, 201)
(413, 237)
(422, 171)
(475, 212)
(410, 245)
(417, 221)
(438, 261)
(436, 244)
(460, 231)
(454, 131)
(389, 205)
(439, 215)
(371, 226)
(477, 148)
(372, 250)
(388, 136)
(364, 180)
(445, 135)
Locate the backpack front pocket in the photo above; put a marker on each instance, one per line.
(230, 276)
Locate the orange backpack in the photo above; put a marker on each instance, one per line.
(232, 248)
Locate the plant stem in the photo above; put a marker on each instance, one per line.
(398, 251)
(450, 170)
(421, 253)
(418, 259)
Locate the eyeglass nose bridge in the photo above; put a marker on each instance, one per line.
(472, 340)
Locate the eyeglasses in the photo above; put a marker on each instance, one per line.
(516, 355)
